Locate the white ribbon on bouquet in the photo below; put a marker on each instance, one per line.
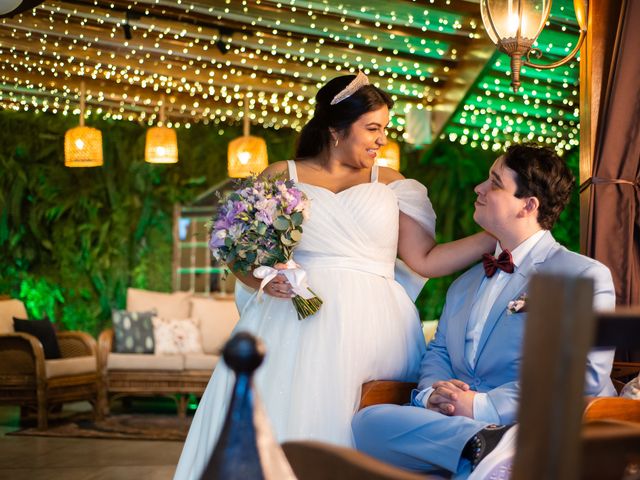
(295, 275)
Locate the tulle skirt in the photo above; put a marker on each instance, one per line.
(311, 378)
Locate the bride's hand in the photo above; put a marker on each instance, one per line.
(279, 287)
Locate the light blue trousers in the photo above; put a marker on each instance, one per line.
(415, 438)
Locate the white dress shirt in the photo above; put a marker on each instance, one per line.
(485, 297)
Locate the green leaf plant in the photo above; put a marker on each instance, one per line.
(73, 239)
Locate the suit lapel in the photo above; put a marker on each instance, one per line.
(516, 285)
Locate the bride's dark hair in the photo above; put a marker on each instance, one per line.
(315, 136)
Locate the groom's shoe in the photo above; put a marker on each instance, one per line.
(491, 452)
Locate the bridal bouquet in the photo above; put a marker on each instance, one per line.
(259, 224)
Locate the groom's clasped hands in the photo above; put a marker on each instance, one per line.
(452, 397)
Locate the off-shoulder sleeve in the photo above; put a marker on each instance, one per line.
(413, 200)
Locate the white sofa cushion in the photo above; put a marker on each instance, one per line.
(193, 361)
(137, 361)
(167, 305)
(63, 367)
(216, 318)
(8, 310)
(174, 336)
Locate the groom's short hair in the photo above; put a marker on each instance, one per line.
(541, 173)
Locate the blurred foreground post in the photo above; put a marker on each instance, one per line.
(246, 448)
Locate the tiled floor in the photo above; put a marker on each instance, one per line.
(41, 458)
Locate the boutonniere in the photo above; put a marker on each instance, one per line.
(519, 305)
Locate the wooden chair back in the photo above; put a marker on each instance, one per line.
(553, 442)
(558, 335)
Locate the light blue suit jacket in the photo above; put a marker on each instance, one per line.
(500, 348)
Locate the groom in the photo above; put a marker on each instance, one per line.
(467, 397)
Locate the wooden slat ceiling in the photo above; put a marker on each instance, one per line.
(207, 58)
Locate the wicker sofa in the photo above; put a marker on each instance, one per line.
(173, 376)
(36, 384)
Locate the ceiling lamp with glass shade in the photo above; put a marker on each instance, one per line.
(246, 154)
(514, 26)
(83, 145)
(161, 144)
(389, 155)
(9, 8)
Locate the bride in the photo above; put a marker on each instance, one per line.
(361, 218)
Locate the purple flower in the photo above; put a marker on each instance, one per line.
(295, 197)
(217, 239)
(228, 215)
(239, 225)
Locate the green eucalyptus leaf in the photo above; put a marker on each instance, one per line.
(285, 240)
(296, 219)
(281, 223)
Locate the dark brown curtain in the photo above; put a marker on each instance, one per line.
(613, 236)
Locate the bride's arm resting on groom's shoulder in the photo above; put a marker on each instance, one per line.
(418, 249)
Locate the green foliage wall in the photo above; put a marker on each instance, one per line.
(72, 240)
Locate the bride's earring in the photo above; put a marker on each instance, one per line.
(336, 144)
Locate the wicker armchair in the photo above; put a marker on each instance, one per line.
(38, 385)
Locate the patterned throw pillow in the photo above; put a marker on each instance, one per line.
(176, 336)
(133, 331)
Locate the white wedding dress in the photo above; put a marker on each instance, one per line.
(367, 328)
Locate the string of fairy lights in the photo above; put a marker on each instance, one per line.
(209, 58)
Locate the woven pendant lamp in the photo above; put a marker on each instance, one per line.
(83, 145)
(161, 144)
(389, 155)
(246, 154)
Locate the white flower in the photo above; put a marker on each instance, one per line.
(303, 207)
(235, 231)
(266, 210)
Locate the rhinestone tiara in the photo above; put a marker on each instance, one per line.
(356, 84)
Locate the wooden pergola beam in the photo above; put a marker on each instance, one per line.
(233, 17)
(116, 103)
(151, 67)
(300, 73)
(361, 22)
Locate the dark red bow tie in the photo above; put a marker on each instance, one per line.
(491, 264)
